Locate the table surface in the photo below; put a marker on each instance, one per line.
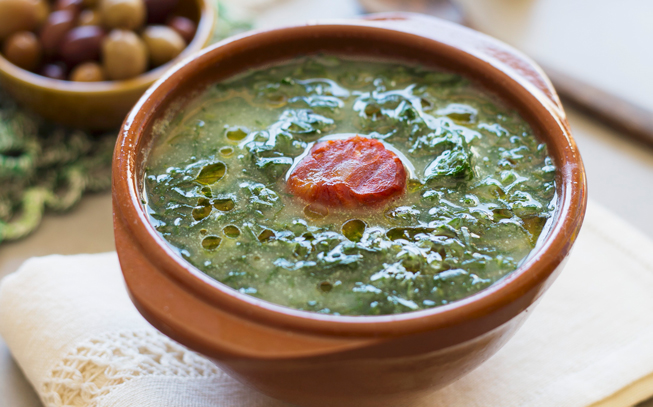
(616, 170)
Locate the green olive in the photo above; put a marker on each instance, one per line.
(123, 14)
(163, 43)
(23, 50)
(87, 72)
(124, 55)
(90, 17)
(18, 15)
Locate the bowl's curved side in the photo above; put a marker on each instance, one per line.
(268, 345)
(215, 332)
(101, 105)
(353, 380)
(308, 370)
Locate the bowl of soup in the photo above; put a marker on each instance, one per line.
(350, 213)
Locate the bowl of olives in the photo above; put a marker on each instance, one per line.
(84, 63)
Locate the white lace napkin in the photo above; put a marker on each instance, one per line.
(74, 332)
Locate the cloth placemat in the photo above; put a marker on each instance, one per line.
(74, 332)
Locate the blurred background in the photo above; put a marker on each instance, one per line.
(597, 52)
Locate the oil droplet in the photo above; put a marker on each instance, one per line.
(372, 109)
(316, 211)
(501, 214)
(226, 151)
(414, 185)
(412, 265)
(354, 229)
(534, 226)
(224, 205)
(266, 236)
(206, 191)
(211, 242)
(461, 117)
(231, 231)
(325, 286)
(201, 212)
(211, 173)
(276, 100)
(459, 113)
(203, 231)
(236, 133)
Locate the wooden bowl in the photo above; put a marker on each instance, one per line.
(98, 105)
(312, 359)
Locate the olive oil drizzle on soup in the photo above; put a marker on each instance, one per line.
(479, 192)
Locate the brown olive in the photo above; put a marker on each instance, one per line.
(89, 17)
(23, 50)
(122, 14)
(158, 11)
(89, 3)
(54, 71)
(87, 72)
(18, 15)
(55, 29)
(163, 43)
(81, 44)
(124, 55)
(74, 6)
(184, 27)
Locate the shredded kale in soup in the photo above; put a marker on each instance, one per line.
(476, 192)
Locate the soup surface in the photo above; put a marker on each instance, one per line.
(350, 187)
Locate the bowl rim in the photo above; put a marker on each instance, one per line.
(542, 261)
(203, 34)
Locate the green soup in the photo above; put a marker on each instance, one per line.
(479, 192)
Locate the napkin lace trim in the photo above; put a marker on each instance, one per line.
(96, 366)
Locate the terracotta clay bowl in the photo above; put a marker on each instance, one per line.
(313, 359)
(98, 105)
